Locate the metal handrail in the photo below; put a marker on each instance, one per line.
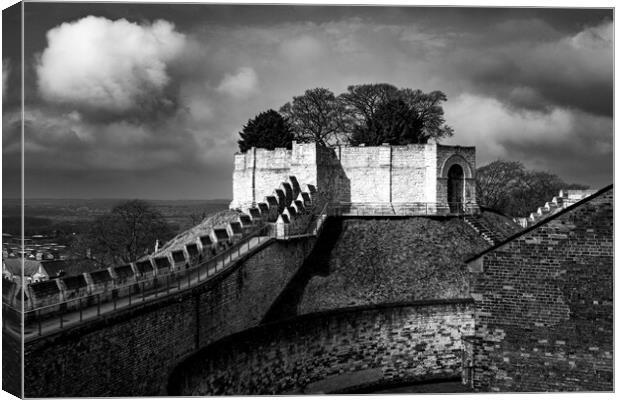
(153, 285)
(157, 285)
(413, 208)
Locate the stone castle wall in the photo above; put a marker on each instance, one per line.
(131, 352)
(544, 305)
(333, 351)
(378, 174)
(466, 158)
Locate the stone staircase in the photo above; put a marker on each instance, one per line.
(564, 199)
(288, 210)
(476, 223)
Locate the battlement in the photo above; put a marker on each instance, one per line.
(415, 173)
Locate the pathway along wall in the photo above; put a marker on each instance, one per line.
(333, 351)
(132, 352)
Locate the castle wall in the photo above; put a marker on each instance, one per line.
(413, 173)
(378, 174)
(333, 351)
(368, 170)
(272, 168)
(132, 351)
(464, 156)
(544, 305)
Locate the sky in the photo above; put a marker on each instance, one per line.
(146, 100)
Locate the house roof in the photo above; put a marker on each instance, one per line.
(14, 265)
(542, 222)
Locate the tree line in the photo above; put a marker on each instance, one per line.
(370, 114)
(510, 188)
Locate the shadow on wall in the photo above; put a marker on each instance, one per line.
(332, 179)
(316, 264)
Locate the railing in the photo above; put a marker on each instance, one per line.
(146, 288)
(398, 209)
(314, 228)
(76, 310)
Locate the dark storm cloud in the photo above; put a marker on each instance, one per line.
(516, 79)
(543, 68)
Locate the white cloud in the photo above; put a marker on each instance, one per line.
(499, 131)
(243, 83)
(110, 65)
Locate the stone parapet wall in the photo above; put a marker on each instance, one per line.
(374, 174)
(333, 351)
(544, 304)
(132, 351)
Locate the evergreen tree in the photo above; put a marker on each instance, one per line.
(267, 130)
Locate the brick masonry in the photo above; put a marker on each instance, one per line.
(132, 352)
(544, 305)
(333, 351)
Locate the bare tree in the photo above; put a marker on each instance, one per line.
(124, 234)
(508, 187)
(429, 110)
(316, 116)
(495, 182)
(362, 101)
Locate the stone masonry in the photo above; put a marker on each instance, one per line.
(132, 352)
(333, 351)
(379, 174)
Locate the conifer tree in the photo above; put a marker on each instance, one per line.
(267, 130)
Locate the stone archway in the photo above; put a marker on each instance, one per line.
(456, 185)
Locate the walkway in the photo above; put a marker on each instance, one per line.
(149, 290)
(49, 319)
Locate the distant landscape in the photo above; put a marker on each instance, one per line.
(60, 217)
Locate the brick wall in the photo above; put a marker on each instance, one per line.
(544, 305)
(334, 351)
(11, 354)
(132, 352)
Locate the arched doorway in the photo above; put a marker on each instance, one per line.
(455, 188)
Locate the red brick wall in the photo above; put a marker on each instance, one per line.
(543, 305)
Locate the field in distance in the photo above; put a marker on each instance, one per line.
(52, 216)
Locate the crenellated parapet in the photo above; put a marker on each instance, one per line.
(564, 199)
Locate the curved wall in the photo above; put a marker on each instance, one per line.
(132, 352)
(333, 351)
